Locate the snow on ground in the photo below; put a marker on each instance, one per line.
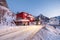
(19, 33)
(32, 32)
(47, 33)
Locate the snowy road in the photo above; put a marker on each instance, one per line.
(19, 33)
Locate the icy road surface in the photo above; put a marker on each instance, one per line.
(19, 33)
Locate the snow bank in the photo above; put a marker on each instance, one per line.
(47, 33)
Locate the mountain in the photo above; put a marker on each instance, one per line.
(3, 3)
(42, 17)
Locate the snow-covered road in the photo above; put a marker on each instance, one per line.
(19, 33)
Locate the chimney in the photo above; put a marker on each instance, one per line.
(3, 3)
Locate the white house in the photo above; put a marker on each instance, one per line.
(54, 21)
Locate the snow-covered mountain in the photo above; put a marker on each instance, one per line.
(42, 19)
(6, 17)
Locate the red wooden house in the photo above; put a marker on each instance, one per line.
(24, 18)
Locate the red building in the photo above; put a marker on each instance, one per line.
(24, 18)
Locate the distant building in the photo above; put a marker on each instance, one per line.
(24, 18)
(55, 21)
(3, 3)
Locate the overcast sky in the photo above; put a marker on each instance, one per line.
(49, 8)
